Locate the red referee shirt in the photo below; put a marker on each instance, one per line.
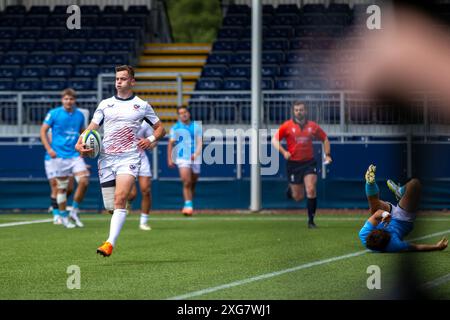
(299, 139)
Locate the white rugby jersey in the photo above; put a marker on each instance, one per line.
(121, 120)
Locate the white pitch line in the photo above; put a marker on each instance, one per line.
(13, 224)
(436, 282)
(280, 272)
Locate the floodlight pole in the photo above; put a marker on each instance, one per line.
(255, 183)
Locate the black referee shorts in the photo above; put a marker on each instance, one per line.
(297, 170)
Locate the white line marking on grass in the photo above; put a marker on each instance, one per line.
(436, 282)
(13, 224)
(277, 273)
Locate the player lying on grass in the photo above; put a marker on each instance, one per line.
(388, 224)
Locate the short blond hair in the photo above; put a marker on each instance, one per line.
(126, 68)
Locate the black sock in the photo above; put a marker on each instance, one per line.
(54, 203)
(312, 205)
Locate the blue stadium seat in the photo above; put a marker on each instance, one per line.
(40, 57)
(313, 19)
(243, 45)
(138, 9)
(9, 71)
(6, 84)
(32, 71)
(287, 84)
(245, 113)
(8, 33)
(54, 33)
(313, 8)
(14, 58)
(275, 45)
(89, 71)
(117, 57)
(241, 58)
(340, 84)
(135, 20)
(72, 45)
(22, 45)
(92, 57)
(90, 9)
(200, 112)
(59, 71)
(313, 84)
(267, 20)
(292, 70)
(39, 10)
(104, 33)
(54, 84)
(113, 9)
(89, 20)
(57, 20)
(5, 45)
(106, 68)
(236, 84)
(225, 114)
(17, 9)
(287, 8)
(62, 10)
(285, 20)
(236, 20)
(268, 8)
(224, 45)
(337, 19)
(277, 32)
(99, 45)
(317, 70)
(125, 45)
(29, 33)
(47, 45)
(324, 44)
(110, 20)
(35, 21)
(339, 8)
(209, 84)
(239, 9)
(219, 57)
(230, 33)
(321, 56)
(269, 70)
(129, 33)
(298, 56)
(273, 57)
(65, 58)
(79, 34)
(239, 71)
(301, 43)
(27, 84)
(214, 71)
(12, 21)
(267, 84)
(82, 84)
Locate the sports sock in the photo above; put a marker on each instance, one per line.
(188, 204)
(144, 218)
(75, 205)
(312, 205)
(117, 222)
(63, 213)
(372, 189)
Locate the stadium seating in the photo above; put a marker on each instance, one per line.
(298, 47)
(39, 51)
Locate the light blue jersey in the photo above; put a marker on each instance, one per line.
(398, 230)
(185, 137)
(66, 127)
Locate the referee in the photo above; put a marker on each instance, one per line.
(299, 133)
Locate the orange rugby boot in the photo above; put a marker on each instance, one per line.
(105, 249)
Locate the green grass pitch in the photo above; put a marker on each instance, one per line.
(192, 257)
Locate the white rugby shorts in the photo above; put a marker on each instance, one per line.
(109, 166)
(59, 167)
(185, 163)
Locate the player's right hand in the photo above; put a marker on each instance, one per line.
(442, 244)
(83, 150)
(170, 163)
(52, 154)
(287, 155)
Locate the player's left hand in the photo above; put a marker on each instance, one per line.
(328, 160)
(144, 144)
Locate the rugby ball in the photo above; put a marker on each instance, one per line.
(92, 139)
